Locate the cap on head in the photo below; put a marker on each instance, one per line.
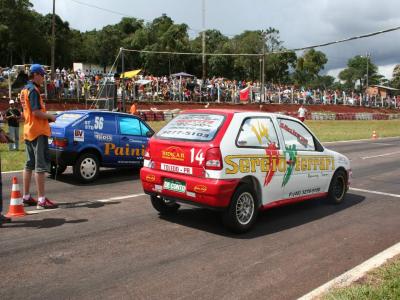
(11, 102)
(36, 68)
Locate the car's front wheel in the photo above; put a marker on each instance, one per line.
(337, 188)
(164, 206)
(242, 211)
(86, 168)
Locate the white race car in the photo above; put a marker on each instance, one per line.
(239, 162)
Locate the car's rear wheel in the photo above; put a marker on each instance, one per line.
(337, 188)
(86, 168)
(57, 169)
(164, 206)
(242, 211)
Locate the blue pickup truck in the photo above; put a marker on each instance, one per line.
(90, 139)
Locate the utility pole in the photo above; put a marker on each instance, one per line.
(263, 33)
(204, 40)
(123, 78)
(368, 56)
(53, 39)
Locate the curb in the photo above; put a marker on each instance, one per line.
(354, 274)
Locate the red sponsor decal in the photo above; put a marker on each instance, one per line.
(200, 188)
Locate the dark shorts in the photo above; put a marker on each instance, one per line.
(37, 154)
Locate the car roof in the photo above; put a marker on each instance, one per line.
(91, 111)
(235, 111)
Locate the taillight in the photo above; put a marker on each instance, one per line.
(213, 159)
(147, 153)
(60, 142)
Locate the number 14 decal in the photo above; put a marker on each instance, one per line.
(199, 156)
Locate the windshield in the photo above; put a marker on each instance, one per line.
(192, 127)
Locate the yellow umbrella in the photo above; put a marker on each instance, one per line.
(130, 74)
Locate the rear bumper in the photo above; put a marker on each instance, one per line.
(62, 157)
(212, 193)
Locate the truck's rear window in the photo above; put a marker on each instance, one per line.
(192, 127)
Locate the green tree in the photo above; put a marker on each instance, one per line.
(309, 65)
(356, 72)
(215, 42)
(395, 82)
(247, 67)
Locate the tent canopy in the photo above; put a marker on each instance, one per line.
(130, 74)
(182, 74)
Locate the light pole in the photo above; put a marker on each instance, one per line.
(366, 82)
(263, 34)
(53, 39)
(203, 40)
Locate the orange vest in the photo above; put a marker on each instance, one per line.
(33, 126)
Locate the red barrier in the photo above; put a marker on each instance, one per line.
(149, 116)
(159, 116)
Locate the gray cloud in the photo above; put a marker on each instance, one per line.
(301, 23)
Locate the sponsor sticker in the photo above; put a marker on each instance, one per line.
(173, 153)
(150, 178)
(200, 188)
(79, 135)
(101, 137)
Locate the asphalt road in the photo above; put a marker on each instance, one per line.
(119, 247)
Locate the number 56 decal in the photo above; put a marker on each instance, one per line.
(199, 156)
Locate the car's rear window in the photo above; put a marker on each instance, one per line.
(67, 118)
(192, 127)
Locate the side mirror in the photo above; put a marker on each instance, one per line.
(149, 133)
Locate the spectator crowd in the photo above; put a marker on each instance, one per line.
(68, 84)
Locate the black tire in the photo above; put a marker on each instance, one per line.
(164, 206)
(337, 188)
(242, 211)
(86, 168)
(57, 169)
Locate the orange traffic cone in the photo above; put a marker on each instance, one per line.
(374, 135)
(16, 208)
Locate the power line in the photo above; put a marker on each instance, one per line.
(122, 14)
(273, 52)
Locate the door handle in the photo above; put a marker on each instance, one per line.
(242, 142)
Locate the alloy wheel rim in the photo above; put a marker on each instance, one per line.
(244, 208)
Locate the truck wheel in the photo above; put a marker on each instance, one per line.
(86, 168)
(337, 188)
(57, 169)
(164, 206)
(242, 211)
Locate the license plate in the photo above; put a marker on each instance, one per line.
(176, 169)
(50, 140)
(174, 185)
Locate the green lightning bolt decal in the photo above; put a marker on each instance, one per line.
(292, 153)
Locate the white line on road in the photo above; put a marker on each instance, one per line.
(362, 140)
(380, 155)
(38, 211)
(384, 144)
(375, 192)
(355, 273)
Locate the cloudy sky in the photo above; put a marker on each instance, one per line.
(301, 23)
